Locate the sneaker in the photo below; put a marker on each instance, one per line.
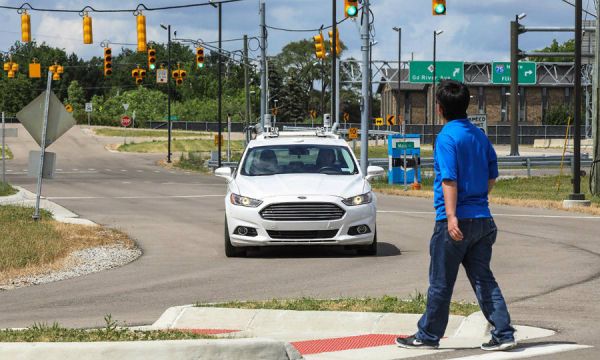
(412, 342)
(494, 345)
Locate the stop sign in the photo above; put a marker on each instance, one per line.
(125, 121)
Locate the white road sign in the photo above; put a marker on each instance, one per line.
(88, 107)
(125, 106)
(162, 76)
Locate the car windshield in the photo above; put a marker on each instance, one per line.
(295, 159)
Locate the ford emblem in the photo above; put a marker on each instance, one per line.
(302, 197)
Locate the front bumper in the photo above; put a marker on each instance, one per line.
(250, 217)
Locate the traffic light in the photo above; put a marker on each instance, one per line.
(107, 61)
(141, 33)
(88, 38)
(139, 75)
(351, 8)
(56, 70)
(320, 46)
(179, 75)
(338, 44)
(25, 27)
(11, 68)
(151, 59)
(199, 57)
(438, 7)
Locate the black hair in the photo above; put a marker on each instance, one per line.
(454, 98)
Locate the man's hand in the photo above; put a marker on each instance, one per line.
(453, 229)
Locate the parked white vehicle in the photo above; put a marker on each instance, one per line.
(299, 188)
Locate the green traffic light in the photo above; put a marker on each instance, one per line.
(200, 65)
(352, 10)
(440, 9)
(152, 66)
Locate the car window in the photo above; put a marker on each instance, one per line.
(294, 158)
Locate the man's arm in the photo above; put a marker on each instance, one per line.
(450, 190)
(491, 183)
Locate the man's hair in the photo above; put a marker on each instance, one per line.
(454, 98)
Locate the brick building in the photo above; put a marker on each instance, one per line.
(554, 87)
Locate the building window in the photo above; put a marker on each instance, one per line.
(522, 105)
(504, 105)
(481, 99)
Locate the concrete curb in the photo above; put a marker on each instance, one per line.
(225, 349)
(27, 198)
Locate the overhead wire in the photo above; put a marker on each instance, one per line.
(141, 6)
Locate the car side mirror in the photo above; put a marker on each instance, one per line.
(224, 172)
(374, 172)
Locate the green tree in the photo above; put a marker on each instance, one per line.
(567, 46)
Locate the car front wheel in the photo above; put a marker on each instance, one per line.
(368, 250)
(230, 250)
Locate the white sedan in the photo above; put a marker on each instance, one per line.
(299, 190)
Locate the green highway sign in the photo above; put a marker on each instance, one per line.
(422, 71)
(527, 73)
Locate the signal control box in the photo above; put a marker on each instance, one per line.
(404, 154)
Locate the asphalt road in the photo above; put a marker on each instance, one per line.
(547, 262)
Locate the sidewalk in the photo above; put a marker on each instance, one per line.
(329, 335)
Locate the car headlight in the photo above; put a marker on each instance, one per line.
(358, 199)
(244, 201)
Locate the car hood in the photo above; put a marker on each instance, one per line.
(261, 187)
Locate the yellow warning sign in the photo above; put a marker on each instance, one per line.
(390, 120)
(353, 133)
(379, 121)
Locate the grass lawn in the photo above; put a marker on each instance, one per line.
(148, 133)
(57, 333)
(179, 146)
(386, 304)
(6, 189)
(7, 153)
(536, 191)
(28, 246)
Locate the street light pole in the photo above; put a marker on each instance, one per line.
(220, 87)
(398, 109)
(577, 195)
(168, 28)
(433, 87)
(334, 52)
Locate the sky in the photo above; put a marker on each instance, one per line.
(474, 30)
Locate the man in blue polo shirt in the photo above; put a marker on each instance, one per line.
(466, 169)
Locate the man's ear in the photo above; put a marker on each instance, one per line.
(440, 111)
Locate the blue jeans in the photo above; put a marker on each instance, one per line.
(475, 253)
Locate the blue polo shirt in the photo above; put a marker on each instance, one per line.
(464, 154)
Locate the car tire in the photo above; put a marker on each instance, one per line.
(230, 250)
(368, 250)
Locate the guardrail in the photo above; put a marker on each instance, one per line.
(527, 162)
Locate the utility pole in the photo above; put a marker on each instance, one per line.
(220, 86)
(247, 88)
(398, 109)
(595, 174)
(577, 195)
(514, 86)
(263, 65)
(433, 85)
(334, 53)
(323, 89)
(169, 93)
(366, 111)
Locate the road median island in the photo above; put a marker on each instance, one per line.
(148, 133)
(546, 192)
(8, 155)
(34, 252)
(6, 189)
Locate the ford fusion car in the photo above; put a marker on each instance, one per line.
(299, 188)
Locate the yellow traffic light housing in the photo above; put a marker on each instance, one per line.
(320, 51)
(151, 59)
(179, 75)
(351, 8)
(35, 70)
(135, 73)
(199, 57)
(88, 37)
(107, 61)
(438, 7)
(338, 44)
(141, 32)
(25, 27)
(11, 68)
(56, 70)
(139, 75)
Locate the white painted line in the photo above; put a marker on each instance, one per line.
(526, 352)
(59, 170)
(107, 169)
(8, 170)
(140, 171)
(497, 215)
(91, 169)
(157, 171)
(126, 182)
(123, 170)
(132, 197)
(74, 169)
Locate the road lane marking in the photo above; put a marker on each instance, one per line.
(526, 352)
(132, 197)
(497, 215)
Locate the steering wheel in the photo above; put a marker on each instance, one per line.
(328, 168)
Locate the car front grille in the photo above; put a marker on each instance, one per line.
(302, 234)
(302, 212)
